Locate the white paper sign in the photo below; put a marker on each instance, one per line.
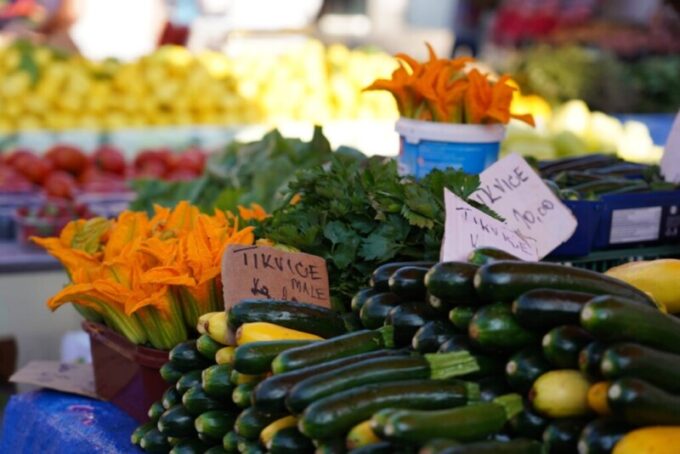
(670, 161)
(468, 228)
(515, 191)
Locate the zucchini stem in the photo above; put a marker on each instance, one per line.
(387, 334)
(511, 403)
(472, 391)
(452, 364)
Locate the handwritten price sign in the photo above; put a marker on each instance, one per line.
(269, 273)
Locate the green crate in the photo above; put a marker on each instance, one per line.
(601, 261)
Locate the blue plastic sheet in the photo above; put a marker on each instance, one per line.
(52, 422)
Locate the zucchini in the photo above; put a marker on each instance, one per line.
(431, 335)
(528, 423)
(251, 422)
(339, 347)
(601, 435)
(632, 360)
(308, 318)
(216, 382)
(139, 432)
(375, 309)
(439, 304)
(333, 416)
(589, 359)
(616, 319)
(352, 322)
(196, 401)
(360, 298)
(407, 282)
(207, 347)
(643, 404)
(154, 441)
(213, 425)
(176, 422)
(517, 446)
(215, 450)
(330, 446)
(171, 397)
(494, 328)
(188, 380)
(560, 394)
(561, 435)
(379, 420)
(170, 373)
(256, 357)
(189, 446)
(485, 255)
(282, 423)
(491, 387)
(379, 370)
(407, 318)
(290, 441)
(461, 316)
(383, 447)
(467, 423)
(243, 394)
(524, 367)
(237, 378)
(381, 276)
(544, 309)
(361, 435)
(269, 395)
(507, 280)
(562, 345)
(456, 343)
(155, 411)
(246, 446)
(186, 357)
(452, 282)
(230, 441)
(225, 355)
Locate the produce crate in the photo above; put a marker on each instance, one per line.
(601, 261)
(124, 373)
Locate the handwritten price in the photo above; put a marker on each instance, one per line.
(532, 217)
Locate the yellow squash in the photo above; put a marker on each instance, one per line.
(361, 435)
(560, 394)
(268, 432)
(597, 398)
(659, 278)
(650, 440)
(261, 331)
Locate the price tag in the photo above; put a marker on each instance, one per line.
(269, 273)
(511, 188)
(468, 228)
(670, 161)
(70, 378)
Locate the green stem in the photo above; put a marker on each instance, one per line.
(387, 335)
(453, 364)
(511, 403)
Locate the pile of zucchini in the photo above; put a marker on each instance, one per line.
(489, 356)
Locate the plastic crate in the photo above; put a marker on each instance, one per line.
(601, 261)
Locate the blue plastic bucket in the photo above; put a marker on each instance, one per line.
(426, 145)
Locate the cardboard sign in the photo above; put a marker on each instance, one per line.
(269, 273)
(670, 161)
(515, 191)
(468, 228)
(70, 378)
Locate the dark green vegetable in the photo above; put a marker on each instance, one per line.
(485, 255)
(408, 282)
(589, 359)
(186, 357)
(139, 432)
(382, 447)
(230, 441)
(290, 441)
(452, 282)
(247, 446)
(507, 280)
(213, 425)
(529, 423)
(601, 435)
(170, 373)
(255, 358)
(407, 318)
(309, 318)
(154, 441)
(330, 446)
(155, 411)
(632, 360)
(188, 380)
(524, 367)
(494, 328)
(250, 423)
(176, 422)
(216, 381)
(562, 345)
(561, 435)
(381, 275)
(352, 322)
(439, 304)
(456, 343)
(517, 446)
(360, 298)
(491, 387)
(171, 397)
(207, 347)
(461, 317)
(375, 309)
(641, 404)
(196, 401)
(544, 309)
(379, 420)
(189, 446)
(431, 335)
(339, 347)
(243, 394)
(215, 450)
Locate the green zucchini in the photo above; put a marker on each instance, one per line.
(352, 321)
(215, 450)
(456, 343)
(333, 416)
(431, 335)
(290, 441)
(269, 395)
(230, 441)
(528, 423)
(589, 359)
(171, 397)
(632, 360)
(330, 446)
(562, 345)
(339, 347)
(491, 387)
(642, 404)
(237, 378)
(381, 275)
(544, 309)
(246, 446)
(407, 318)
(256, 357)
(207, 347)
(601, 435)
(154, 441)
(170, 373)
(485, 255)
(250, 423)
(461, 316)
(305, 317)
(188, 380)
(524, 367)
(616, 319)
(467, 423)
(506, 281)
(243, 394)
(196, 401)
(379, 370)
(494, 328)
(452, 282)
(439, 304)
(213, 425)
(139, 432)
(379, 420)
(375, 309)
(155, 411)
(407, 282)
(176, 422)
(561, 435)
(383, 447)
(216, 381)
(360, 298)
(186, 357)
(517, 446)
(189, 446)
